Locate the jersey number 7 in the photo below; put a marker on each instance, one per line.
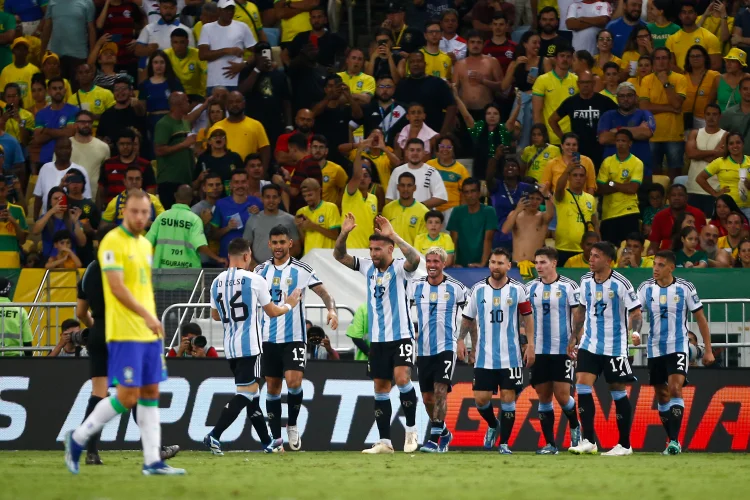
(238, 309)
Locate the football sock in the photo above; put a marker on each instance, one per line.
(273, 409)
(569, 410)
(94, 440)
(547, 420)
(586, 410)
(409, 403)
(624, 414)
(445, 430)
(255, 415)
(148, 422)
(664, 416)
(677, 408)
(436, 430)
(228, 415)
(383, 414)
(507, 419)
(488, 414)
(105, 410)
(293, 403)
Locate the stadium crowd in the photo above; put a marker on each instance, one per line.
(469, 125)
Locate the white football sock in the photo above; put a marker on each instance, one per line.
(148, 422)
(104, 411)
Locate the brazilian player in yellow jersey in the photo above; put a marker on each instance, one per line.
(134, 339)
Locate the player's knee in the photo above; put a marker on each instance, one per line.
(508, 397)
(293, 379)
(428, 398)
(129, 399)
(402, 379)
(273, 385)
(675, 390)
(481, 399)
(441, 391)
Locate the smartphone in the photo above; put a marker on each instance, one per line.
(115, 38)
(383, 42)
(577, 157)
(10, 108)
(266, 53)
(534, 72)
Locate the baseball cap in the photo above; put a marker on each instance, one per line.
(223, 4)
(109, 46)
(395, 7)
(626, 86)
(50, 55)
(217, 128)
(19, 40)
(738, 55)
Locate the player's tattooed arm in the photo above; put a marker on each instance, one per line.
(383, 227)
(333, 319)
(636, 320)
(466, 327)
(579, 315)
(339, 249)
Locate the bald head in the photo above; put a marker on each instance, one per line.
(709, 236)
(586, 83)
(236, 105)
(184, 194)
(304, 121)
(178, 104)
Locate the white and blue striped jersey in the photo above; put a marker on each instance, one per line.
(281, 281)
(437, 314)
(605, 329)
(387, 303)
(668, 309)
(236, 294)
(552, 305)
(497, 312)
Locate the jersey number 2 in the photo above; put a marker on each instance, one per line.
(238, 309)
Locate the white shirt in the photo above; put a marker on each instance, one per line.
(429, 183)
(562, 7)
(456, 45)
(218, 37)
(50, 176)
(202, 121)
(159, 33)
(552, 305)
(437, 313)
(585, 39)
(151, 9)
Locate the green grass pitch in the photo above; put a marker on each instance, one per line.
(42, 475)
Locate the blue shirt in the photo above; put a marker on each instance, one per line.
(49, 118)
(27, 10)
(504, 205)
(224, 211)
(13, 151)
(156, 95)
(621, 32)
(641, 149)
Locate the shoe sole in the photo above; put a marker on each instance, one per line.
(547, 453)
(296, 447)
(576, 452)
(148, 473)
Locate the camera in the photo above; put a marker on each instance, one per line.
(199, 342)
(382, 42)
(315, 335)
(80, 338)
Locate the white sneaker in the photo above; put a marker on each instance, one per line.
(411, 445)
(295, 443)
(379, 448)
(585, 447)
(618, 451)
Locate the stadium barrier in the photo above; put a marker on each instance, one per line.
(42, 399)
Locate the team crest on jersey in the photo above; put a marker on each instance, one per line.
(374, 209)
(701, 92)
(433, 297)
(413, 220)
(695, 298)
(359, 84)
(558, 293)
(611, 294)
(509, 301)
(321, 218)
(98, 102)
(571, 90)
(62, 121)
(545, 295)
(588, 205)
(698, 40)
(326, 178)
(663, 299)
(289, 281)
(496, 301)
(676, 299)
(625, 173)
(577, 297)
(276, 281)
(379, 281)
(599, 295)
(387, 277)
(127, 374)
(191, 66)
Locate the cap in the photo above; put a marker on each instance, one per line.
(626, 86)
(5, 286)
(395, 7)
(19, 40)
(223, 4)
(738, 55)
(217, 128)
(50, 55)
(112, 46)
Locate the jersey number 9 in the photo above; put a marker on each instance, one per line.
(238, 309)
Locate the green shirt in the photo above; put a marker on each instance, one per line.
(471, 229)
(659, 34)
(177, 167)
(358, 330)
(7, 23)
(176, 235)
(15, 328)
(695, 259)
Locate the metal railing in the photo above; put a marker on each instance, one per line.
(43, 312)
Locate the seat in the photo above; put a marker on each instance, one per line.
(661, 179)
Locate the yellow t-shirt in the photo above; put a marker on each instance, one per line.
(21, 76)
(248, 13)
(637, 84)
(364, 209)
(97, 100)
(381, 162)
(576, 261)
(621, 172)
(327, 216)
(679, 43)
(669, 126)
(547, 3)
(440, 64)
(292, 26)
(555, 90)
(359, 84)
(537, 167)
(197, 30)
(120, 250)
(556, 167)
(453, 177)
(713, 25)
(609, 94)
(629, 62)
(14, 127)
(245, 137)
(599, 71)
(116, 207)
(699, 95)
(723, 244)
(10, 256)
(191, 71)
(408, 222)
(334, 182)
(647, 261)
(423, 242)
(727, 171)
(570, 226)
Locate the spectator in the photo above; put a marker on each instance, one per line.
(319, 345)
(62, 255)
(307, 78)
(14, 190)
(703, 146)
(56, 218)
(334, 176)
(521, 75)
(430, 187)
(406, 214)
(604, 48)
(122, 115)
(358, 199)
(331, 46)
(52, 173)
(294, 18)
(255, 173)
(53, 122)
(622, 27)
(7, 34)
(359, 332)
(247, 13)
(618, 181)
(661, 27)
(51, 69)
(219, 96)
(701, 87)
(155, 35)
(20, 123)
(451, 43)
(534, 158)
(506, 191)
(691, 34)
(65, 346)
(570, 157)
(383, 62)
(217, 159)
(584, 111)
(737, 118)
(173, 144)
(743, 255)
(13, 151)
(303, 166)
(89, 97)
(20, 71)
(723, 206)
(361, 85)
(213, 190)
(576, 213)
(177, 236)
(155, 92)
(709, 237)
(209, 14)
(118, 21)
(70, 33)
(728, 89)
(90, 218)
(30, 16)
(583, 61)
(216, 113)
(656, 195)
(731, 170)
(661, 228)
(451, 171)
(484, 10)
(187, 64)
(244, 135)
(581, 260)
(534, 222)
(548, 20)
(477, 78)
(259, 227)
(416, 129)
(384, 113)
(113, 214)
(13, 231)
(17, 328)
(231, 213)
(741, 29)
(304, 122)
(192, 344)
(551, 89)
(632, 254)
(87, 150)
(639, 45)
(319, 222)
(644, 69)
(611, 81)
(472, 227)
(585, 19)
(433, 221)
(687, 250)
(334, 112)
(112, 175)
(499, 45)
(730, 243)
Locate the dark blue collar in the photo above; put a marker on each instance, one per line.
(175, 23)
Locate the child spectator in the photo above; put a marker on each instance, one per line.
(434, 238)
(416, 128)
(656, 196)
(686, 249)
(62, 255)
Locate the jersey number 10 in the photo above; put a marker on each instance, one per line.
(238, 309)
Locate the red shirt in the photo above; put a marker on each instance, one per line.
(307, 167)
(503, 53)
(120, 23)
(282, 143)
(112, 176)
(210, 353)
(661, 227)
(723, 230)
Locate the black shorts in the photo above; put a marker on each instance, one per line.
(278, 358)
(552, 368)
(437, 369)
(98, 354)
(385, 356)
(659, 369)
(246, 370)
(508, 379)
(616, 369)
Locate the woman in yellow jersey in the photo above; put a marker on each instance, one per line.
(731, 170)
(639, 44)
(719, 23)
(374, 187)
(645, 68)
(702, 83)
(604, 42)
(535, 157)
(216, 112)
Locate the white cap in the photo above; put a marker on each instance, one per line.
(223, 4)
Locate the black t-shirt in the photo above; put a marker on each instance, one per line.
(547, 48)
(331, 47)
(89, 212)
(381, 68)
(410, 40)
(333, 123)
(390, 119)
(91, 289)
(265, 101)
(432, 93)
(307, 85)
(584, 121)
(114, 120)
(224, 165)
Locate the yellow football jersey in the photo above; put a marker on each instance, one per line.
(364, 209)
(408, 222)
(423, 242)
(325, 215)
(623, 172)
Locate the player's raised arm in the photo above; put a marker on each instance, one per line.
(333, 318)
(700, 318)
(339, 250)
(383, 227)
(291, 300)
(123, 295)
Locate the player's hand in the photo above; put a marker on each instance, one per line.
(461, 350)
(383, 227)
(348, 224)
(154, 325)
(293, 298)
(572, 351)
(472, 358)
(206, 216)
(333, 319)
(253, 209)
(635, 337)
(708, 358)
(529, 356)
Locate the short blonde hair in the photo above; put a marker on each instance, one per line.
(439, 251)
(309, 184)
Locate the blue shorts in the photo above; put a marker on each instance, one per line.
(136, 364)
